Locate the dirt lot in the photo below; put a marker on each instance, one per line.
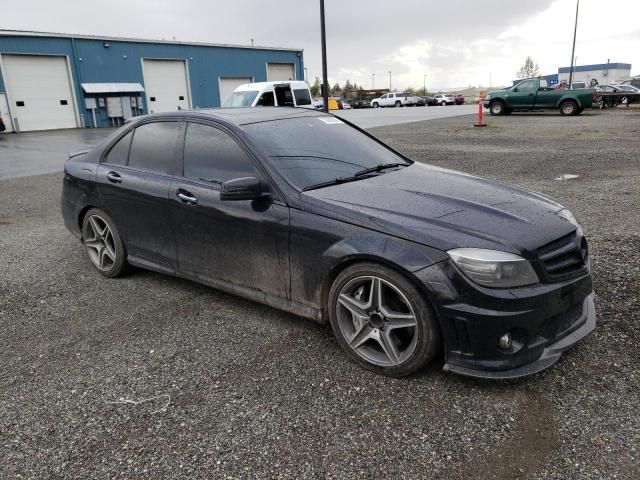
(153, 377)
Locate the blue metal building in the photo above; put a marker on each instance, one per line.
(52, 81)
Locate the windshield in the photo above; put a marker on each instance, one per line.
(309, 150)
(240, 99)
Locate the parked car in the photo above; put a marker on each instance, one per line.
(632, 81)
(344, 104)
(445, 99)
(305, 212)
(361, 104)
(271, 94)
(534, 94)
(429, 101)
(394, 99)
(459, 99)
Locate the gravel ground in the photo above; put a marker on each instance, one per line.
(153, 377)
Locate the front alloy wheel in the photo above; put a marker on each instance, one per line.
(382, 320)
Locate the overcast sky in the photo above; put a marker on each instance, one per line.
(456, 43)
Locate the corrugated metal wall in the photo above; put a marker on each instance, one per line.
(121, 61)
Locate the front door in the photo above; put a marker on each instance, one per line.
(244, 243)
(523, 95)
(133, 180)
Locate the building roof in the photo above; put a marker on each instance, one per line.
(597, 66)
(27, 33)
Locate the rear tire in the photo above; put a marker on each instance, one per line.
(103, 244)
(497, 108)
(443, 103)
(398, 103)
(569, 107)
(382, 320)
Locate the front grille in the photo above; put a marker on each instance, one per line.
(564, 258)
(562, 322)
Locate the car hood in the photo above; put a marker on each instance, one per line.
(444, 209)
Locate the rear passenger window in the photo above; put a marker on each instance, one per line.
(212, 155)
(153, 147)
(302, 97)
(120, 151)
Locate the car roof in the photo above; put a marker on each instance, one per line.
(244, 116)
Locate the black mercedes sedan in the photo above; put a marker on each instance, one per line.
(306, 212)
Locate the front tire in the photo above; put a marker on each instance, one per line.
(398, 103)
(497, 108)
(376, 105)
(103, 243)
(382, 320)
(443, 104)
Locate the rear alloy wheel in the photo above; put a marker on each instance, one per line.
(569, 107)
(382, 320)
(496, 108)
(103, 243)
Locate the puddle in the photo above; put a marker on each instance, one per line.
(566, 176)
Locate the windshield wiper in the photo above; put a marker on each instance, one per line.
(336, 181)
(379, 168)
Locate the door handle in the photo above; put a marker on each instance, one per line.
(114, 177)
(186, 197)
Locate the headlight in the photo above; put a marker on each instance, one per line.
(492, 268)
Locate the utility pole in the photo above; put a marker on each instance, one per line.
(389, 80)
(424, 85)
(573, 49)
(323, 41)
(373, 81)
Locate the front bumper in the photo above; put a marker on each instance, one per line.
(550, 355)
(543, 320)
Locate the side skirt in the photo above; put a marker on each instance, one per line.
(274, 301)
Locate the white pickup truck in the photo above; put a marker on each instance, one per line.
(395, 99)
(271, 94)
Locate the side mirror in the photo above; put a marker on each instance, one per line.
(245, 188)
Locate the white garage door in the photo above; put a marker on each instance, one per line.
(229, 84)
(39, 90)
(280, 71)
(165, 83)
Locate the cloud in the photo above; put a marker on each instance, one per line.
(455, 43)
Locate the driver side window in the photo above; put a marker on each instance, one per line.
(212, 155)
(526, 86)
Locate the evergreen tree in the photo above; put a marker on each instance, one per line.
(530, 69)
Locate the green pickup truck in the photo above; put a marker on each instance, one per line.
(534, 94)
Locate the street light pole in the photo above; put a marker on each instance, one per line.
(389, 80)
(325, 78)
(573, 49)
(373, 81)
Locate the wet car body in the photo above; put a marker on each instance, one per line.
(285, 250)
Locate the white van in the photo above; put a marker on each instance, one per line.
(271, 94)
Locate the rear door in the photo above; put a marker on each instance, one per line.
(133, 180)
(523, 95)
(244, 243)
